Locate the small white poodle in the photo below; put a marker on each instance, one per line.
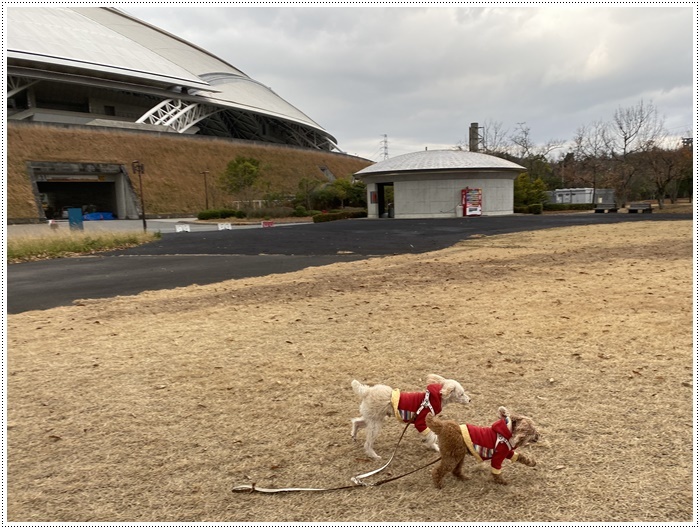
(380, 401)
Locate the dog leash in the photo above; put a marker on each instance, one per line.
(357, 480)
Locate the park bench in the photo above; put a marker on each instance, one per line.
(639, 207)
(606, 208)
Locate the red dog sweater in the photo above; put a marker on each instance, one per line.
(411, 406)
(493, 442)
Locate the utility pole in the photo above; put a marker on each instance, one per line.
(385, 148)
(206, 191)
(138, 168)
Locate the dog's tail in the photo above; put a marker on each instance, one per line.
(359, 388)
(434, 423)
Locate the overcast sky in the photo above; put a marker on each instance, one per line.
(421, 75)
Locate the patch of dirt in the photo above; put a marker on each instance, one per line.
(152, 407)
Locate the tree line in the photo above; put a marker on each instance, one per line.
(632, 153)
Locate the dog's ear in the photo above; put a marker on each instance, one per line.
(435, 379)
(523, 430)
(448, 388)
(516, 438)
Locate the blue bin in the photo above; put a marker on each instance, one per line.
(75, 218)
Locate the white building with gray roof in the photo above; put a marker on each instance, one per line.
(440, 183)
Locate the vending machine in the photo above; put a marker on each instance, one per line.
(471, 202)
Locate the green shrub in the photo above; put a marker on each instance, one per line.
(300, 211)
(224, 213)
(535, 209)
(209, 214)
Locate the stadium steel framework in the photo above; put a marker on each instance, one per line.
(102, 67)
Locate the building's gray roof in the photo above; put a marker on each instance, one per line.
(439, 161)
(107, 45)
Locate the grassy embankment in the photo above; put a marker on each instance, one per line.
(173, 182)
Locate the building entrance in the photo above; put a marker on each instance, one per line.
(94, 188)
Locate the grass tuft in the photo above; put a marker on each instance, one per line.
(55, 245)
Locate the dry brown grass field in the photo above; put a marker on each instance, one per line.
(152, 407)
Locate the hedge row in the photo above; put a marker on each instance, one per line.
(534, 209)
(567, 207)
(327, 217)
(208, 214)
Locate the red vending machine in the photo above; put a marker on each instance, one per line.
(471, 202)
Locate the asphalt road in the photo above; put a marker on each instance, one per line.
(203, 257)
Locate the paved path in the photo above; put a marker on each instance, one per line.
(206, 255)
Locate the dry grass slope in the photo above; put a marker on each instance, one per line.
(150, 408)
(173, 181)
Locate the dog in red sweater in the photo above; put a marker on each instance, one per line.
(495, 443)
(380, 401)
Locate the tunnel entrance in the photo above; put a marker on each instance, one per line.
(94, 188)
(91, 197)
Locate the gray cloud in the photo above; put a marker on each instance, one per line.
(422, 74)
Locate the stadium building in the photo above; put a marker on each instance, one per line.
(100, 69)
(103, 67)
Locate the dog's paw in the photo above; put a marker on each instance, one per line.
(527, 461)
(497, 478)
(433, 446)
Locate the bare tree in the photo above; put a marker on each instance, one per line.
(590, 153)
(666, 168)
(495, 138)
(633, 131)
(534, 157)
(526, 148)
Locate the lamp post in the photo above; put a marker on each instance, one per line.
(137, 168)
(206, 193)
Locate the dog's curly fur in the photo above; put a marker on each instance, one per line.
(453, 448)
(375, 406)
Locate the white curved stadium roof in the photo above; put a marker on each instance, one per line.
(440, 160)
(113, 49)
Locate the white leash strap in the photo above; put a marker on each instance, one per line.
(252, 488)
(357, 480)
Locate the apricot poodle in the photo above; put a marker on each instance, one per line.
(495, 443)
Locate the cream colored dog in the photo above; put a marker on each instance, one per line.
(380, 401)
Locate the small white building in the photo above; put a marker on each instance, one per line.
(441, 183)
(583, 195)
